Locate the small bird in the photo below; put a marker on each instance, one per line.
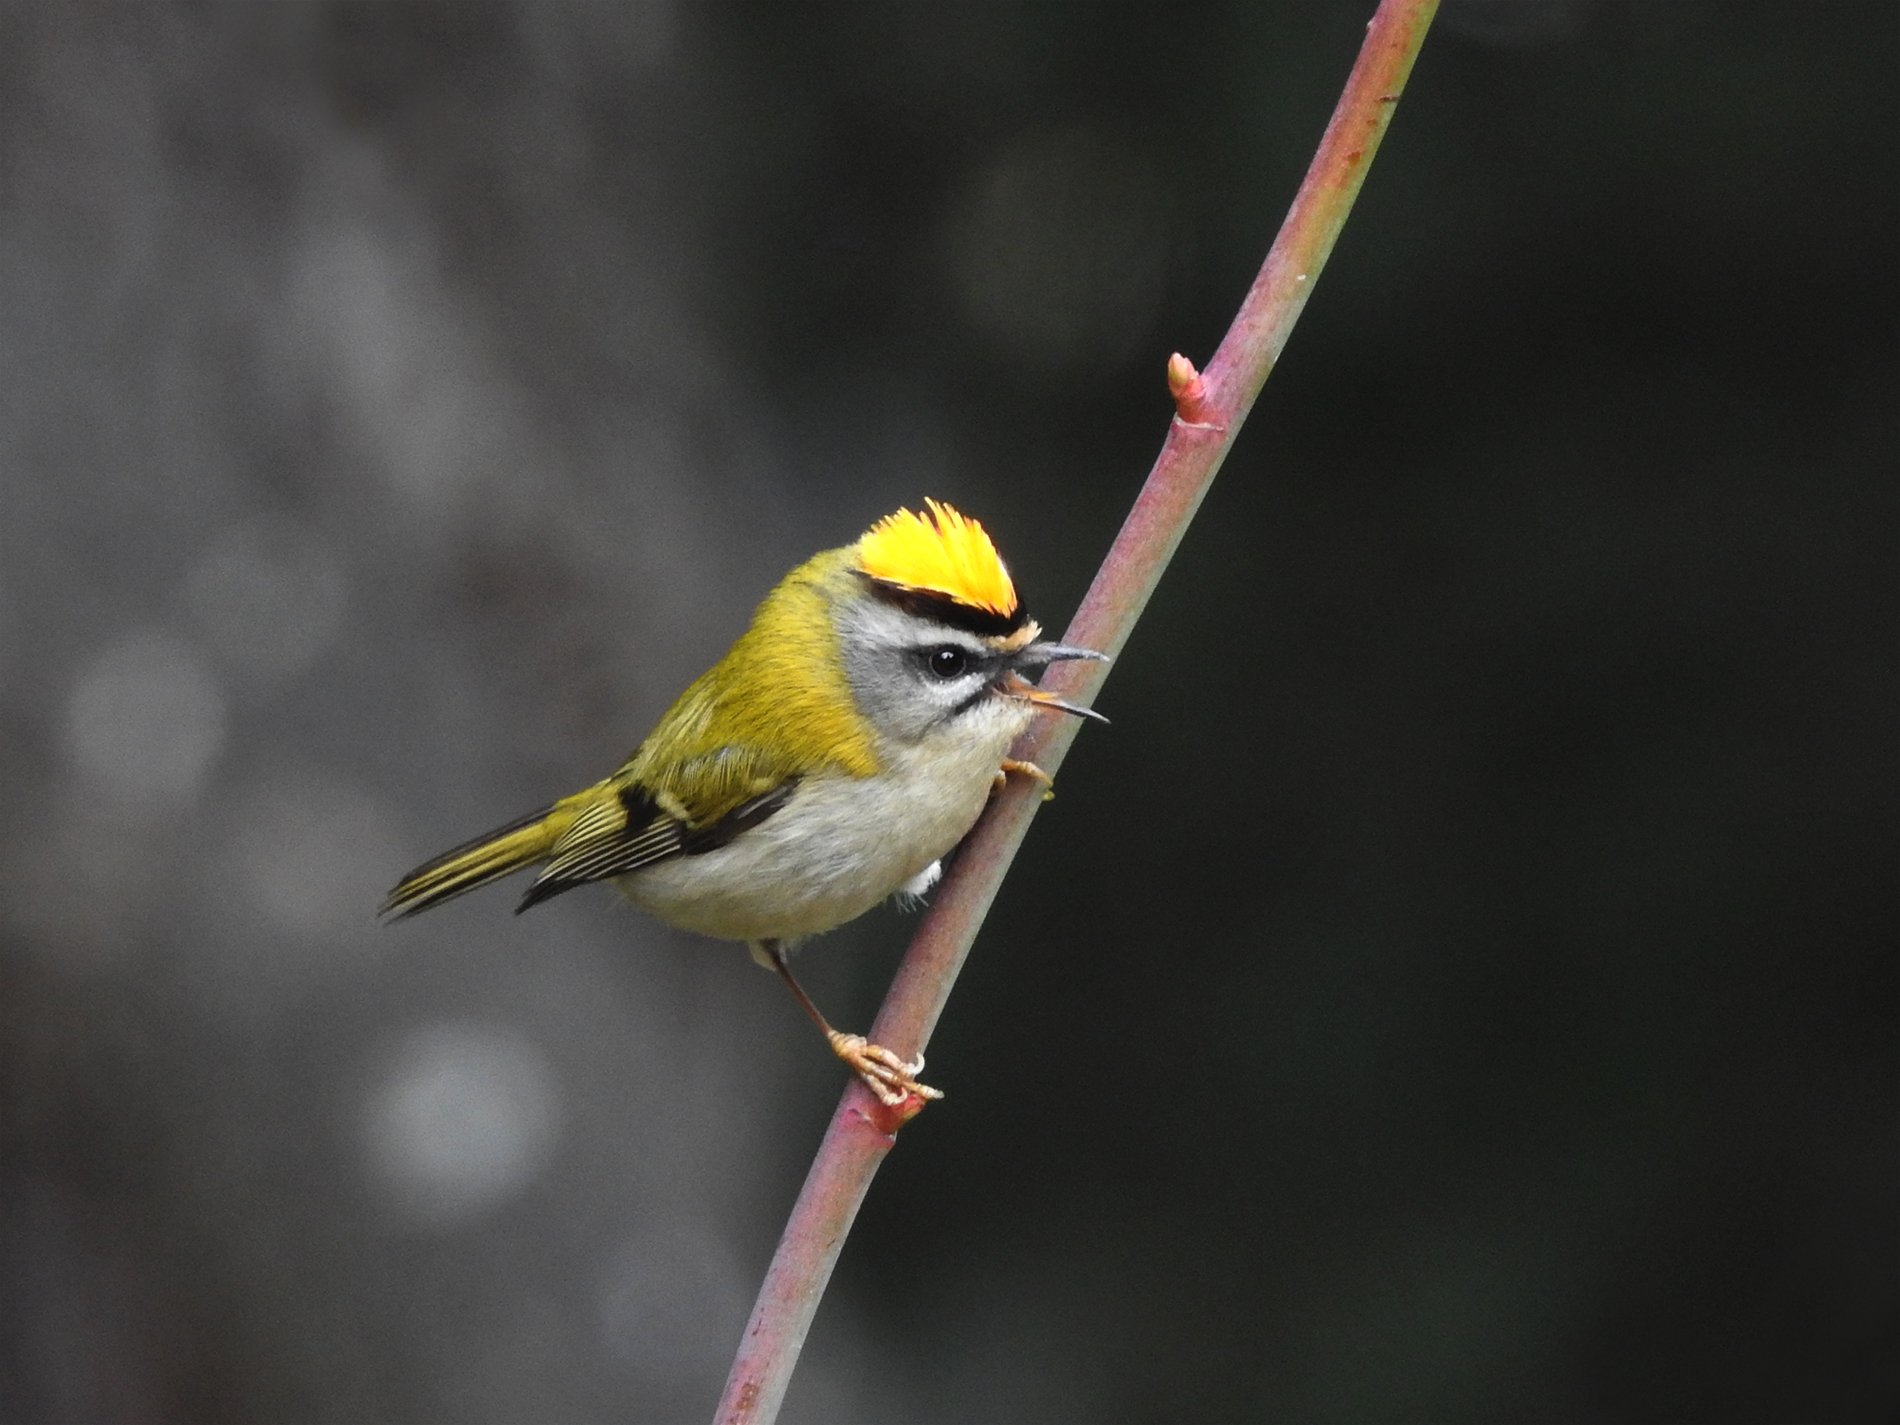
(841, 748)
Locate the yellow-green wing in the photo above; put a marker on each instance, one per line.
(705, 775)
(628, 825)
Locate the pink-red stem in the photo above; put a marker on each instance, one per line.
(1210, 406)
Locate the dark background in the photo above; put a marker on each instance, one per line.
(1460, 985)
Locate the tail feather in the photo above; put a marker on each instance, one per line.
(488, 857)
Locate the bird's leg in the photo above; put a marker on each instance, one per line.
(892, 1079)
(1025, 769)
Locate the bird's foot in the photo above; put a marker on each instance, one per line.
(1025, 769)
(892, 1079)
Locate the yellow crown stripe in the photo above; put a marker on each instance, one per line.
(942, 551)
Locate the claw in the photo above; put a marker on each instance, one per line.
(892, 1079)
(1025, 769)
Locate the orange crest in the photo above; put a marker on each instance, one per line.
(939, 552)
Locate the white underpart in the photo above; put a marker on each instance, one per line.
(841, 844)
(918, 886)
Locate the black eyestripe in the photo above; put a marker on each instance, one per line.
(961, 708)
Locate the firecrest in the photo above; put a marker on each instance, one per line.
(836, 753)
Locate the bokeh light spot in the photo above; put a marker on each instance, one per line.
(462, 1118)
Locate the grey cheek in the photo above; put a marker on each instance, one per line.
(867, 672)
(891, 697)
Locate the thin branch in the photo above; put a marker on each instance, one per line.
(1210, 407)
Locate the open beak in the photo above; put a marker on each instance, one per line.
(1041, 655)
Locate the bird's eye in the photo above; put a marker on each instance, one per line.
(947, 662)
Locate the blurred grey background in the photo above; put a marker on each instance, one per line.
(1461, 983)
